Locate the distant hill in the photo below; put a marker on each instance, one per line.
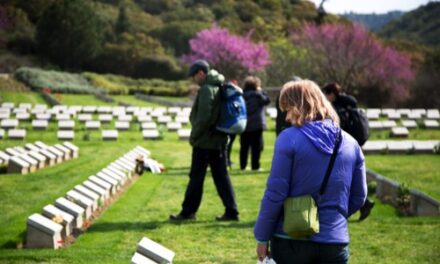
(374, 22)
(421, 25)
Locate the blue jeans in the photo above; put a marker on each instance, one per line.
(288, 251)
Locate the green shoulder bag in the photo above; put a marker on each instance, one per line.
(301, 217)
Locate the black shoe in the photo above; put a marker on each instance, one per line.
(181, 217)
(226, 217)
(366, 209)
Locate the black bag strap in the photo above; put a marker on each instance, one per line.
(331, 163)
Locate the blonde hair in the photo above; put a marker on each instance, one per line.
(303, 101)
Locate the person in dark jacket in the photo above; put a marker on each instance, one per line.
(300, 159)
(280, 121)
(341, 102)
(208, 147)
(252, 138)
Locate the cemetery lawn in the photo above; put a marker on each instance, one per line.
(420, 172)
(414, 134)
(144, 208)
(21, 97)
(82, 99)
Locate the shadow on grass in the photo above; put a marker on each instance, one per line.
(109, 227)
(234, 224)
(15, 244)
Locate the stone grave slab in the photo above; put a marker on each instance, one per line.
(30, 146)
(118, 110)
(43, 232)
(67, 153)
(41, 145)
(109, 134)
(148, 126)
(125, 166)
(87, 204)
(4, 115)
(132, 109)
(404, 112)
(174, 110)
(425, 146)
(128, 161)
(393, 115)
(84, 118)
(18, 165)
(33, 164)
(142, 151)
(125, 118)
(105, 118)
(73, 209)
(122, 125)
(25, 105)
(114, 183)
(51, 159)
(431, 124)
(103, 184)
(4, 157)
(150, 134)
(66, 125)
(110, 170)
(89, 194)
(17, 134)
(74, 149)
(20, 149)
(12, 152)
(19, 111)
(2, 133)
(144, 118)
(141, 259)
(104, 109)
(38, 157)
(433, 114)
(399, 147)
(155, 251)
(90, 109)
(23, 116)
(164, 119)
(93, 125)
(414, 115)
(62, 117)
(182, 119)
(124, 170)
(51, 212)
(409, 123)
(39, 124)
(375, 125)
(387, 124)
(399, 132)
(103, 193)
(374, 147)
(9, 123)
(386, 190)
(43, 116)
(66, 134)
(59, 155)
(110, 177)
(174, 126)
(184, 134)
(8, 105)
(423, 205)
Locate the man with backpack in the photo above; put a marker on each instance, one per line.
(353, 121)
(208, 147)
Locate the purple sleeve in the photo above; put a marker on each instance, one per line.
(358, 190)
(277, 188)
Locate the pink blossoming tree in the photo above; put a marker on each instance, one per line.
(351, 56)
(234, 56)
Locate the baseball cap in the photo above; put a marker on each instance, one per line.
(197, 66)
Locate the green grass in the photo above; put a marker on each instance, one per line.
(82, 99)
(144, 208)
(414, 134)
(417, 171)
(22, 97)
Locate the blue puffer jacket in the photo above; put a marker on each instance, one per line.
(299, 163)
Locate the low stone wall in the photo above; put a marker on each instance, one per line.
(387, 191)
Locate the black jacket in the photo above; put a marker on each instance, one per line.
(255, 102)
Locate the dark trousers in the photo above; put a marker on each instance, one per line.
(216, 159)
(229, 149)
(251, 140)
(287, 251)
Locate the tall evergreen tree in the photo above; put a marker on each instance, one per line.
(122, 24)
(69, 33)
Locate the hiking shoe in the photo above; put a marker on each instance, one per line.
(366, 209)
(181, 217)
(226, 217)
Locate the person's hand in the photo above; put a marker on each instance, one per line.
(262, 251)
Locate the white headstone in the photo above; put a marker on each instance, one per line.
(110, 134)
(43, 116)
(41, 145)
(141, 259)
(105, 194)
(51, 159)
(67, 153)
(59, 155)
(89, 109)
(174, 126)
(9, 123)
(150, 134)
(121, 125)
(104, 109)
(43, 233)
(114, 183)
(144, 118)
(389, 124)
(103, 184)
(105, 118)
(73, 209)
(113, 178)
(84, 117)
(164, 119)
(426, 146)
(88, 204)
(2, 133)
(93, 125)
(74, 149)
(51, 212)
(409, 123)
(148, 125)
(66, 134)
(40, 158)
(399, 147)
(399, 132)
(39, 124)
(125, 118)
(184, 134)
(155, 251)
(18, 165)
(17, 134)
(66, 124)
(182, 119)
(431, 124)
(89, 194)
(433, 114)
(23, 116)
(374, 147)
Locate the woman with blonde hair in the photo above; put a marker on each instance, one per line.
(301, 156)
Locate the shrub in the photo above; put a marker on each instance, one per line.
(58, 82)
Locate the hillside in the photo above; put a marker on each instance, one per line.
(374, 22)
(421, 25)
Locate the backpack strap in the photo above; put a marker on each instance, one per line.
(331, 163)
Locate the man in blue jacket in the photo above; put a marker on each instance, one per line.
(208, 147)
